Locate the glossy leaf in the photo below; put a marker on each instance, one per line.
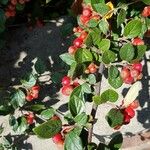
(114, 117)
(132, 93)
(108, 57)
(76, 103)
(48, 113)
(133, 28)
(147, 2)
(121, 17)
(67, 58)
(104, 45)
(115, 82)
(18, 99)
(127, 52)
(28, 80)
(116, 142)
(73, 141)
(109, 95)
(104, 26)
(83, 55)
(92, 23)
(48, 129)
(113, 72)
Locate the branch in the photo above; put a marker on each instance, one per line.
(94, 107)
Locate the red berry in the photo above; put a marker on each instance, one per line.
(58, 138)
(146, 11)
(127, 119)
(84, 19)
(129, 111)
(87, 12)
(66, 81)
(72, 50)
(30, 118)
(92, 68)
(129, 80)
(83, 35)
(14, 2)
(137, 41)
(36, 87)
(67, 90)
(134, 73)
(125, 73)
(39, 23)
(29, 98)
(78, 42)
(135, 104)
(137, 66)
(11, 7)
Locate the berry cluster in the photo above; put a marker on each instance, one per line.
(92, 68)
(68, 85)
(33, 93)
(87, 15)
(30, 118)
(146, 11)
(11, 8)
(128, 113)
(78, 42)
(131, 73)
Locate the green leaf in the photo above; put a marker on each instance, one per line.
(103, 146)
(108, 57)
(2, 17)
(121, 17)
(147, 2)
(104, 26)
(67, 58)
(109, 95)
(76, 103)
(48, 113)
(73, 141)
(40, 66)
(141, 49)
(83, 55)
(18, 99)
(5, 110)
(20, 7)
(4, 2)
(28, 80)
(116, 142)
(101, 8)
(114, 117)
(91, 146)
(97, 100)
(91, 79)
(19, 125)
(113, 72)
(86, 88)
(1, 129)
(127, 52)
(133, 28)
(36, 107)
(89, 40)
(92, 23)
(104, 45)
(81, 119)
(115, 82)
(95, 36)
(48, 129)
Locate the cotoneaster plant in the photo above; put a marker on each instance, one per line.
(109, 37)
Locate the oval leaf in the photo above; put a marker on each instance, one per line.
(48, 129)
(132, 93)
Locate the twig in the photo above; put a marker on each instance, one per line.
(94, 107)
